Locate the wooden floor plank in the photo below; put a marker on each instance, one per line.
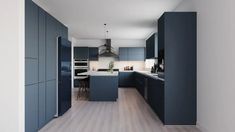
(129, 114)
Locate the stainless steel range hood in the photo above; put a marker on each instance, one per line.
(107, 50)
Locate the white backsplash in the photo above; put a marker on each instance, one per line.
(104, 63)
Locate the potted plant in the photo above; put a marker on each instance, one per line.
(111, 65)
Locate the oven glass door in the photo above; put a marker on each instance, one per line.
(80, 71)
(81, 64)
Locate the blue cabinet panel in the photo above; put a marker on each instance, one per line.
(31, 29)
(152, 47)
(103, 88)
(31, 108)
(131, 53)
(42, 105)
(51, 42)
(156, 96)
(140, 83)
(136, 54)
(31, 71)
(50, 100)
(177, 38)
(126, 79)
(93, 53)
(123, 54)
(42, 46)
(81, 53)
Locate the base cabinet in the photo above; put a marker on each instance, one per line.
(156, 96)
(126, 79)
(140, 83)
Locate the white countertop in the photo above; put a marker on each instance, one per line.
(115, 73)
(153, 75)
(100, 73)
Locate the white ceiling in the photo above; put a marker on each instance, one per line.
(126, 19)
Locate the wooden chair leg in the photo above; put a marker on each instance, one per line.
(78, 93)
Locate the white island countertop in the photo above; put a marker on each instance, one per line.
(100, 73)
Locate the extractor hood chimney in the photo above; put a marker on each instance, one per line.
(108, 50)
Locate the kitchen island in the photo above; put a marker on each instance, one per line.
(103, 86)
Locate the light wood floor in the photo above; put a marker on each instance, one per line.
(129, 114)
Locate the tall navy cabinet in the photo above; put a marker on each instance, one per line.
(177, 33)
(31, 67)
(41, 31)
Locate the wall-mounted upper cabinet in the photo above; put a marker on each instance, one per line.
(93, 53)
(131, 53)
(81, 53)
(152, 47)
(123, 54)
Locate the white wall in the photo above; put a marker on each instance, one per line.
(12, 66)
(216, 63)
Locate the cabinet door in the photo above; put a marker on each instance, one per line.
(126, 79)
(42, 104)
(31, 108)
(123, 54)
(156, 96)
(140, 83)
(81, 53)
(136, 54)
(31, 71)
(50, 100)
(31, 29)
(42, 46)
(51, 53)
(121, 80)
(150, 47)
(93, 53)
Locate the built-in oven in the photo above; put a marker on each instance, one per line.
(81, 68)
(80, 71)
(81, 63)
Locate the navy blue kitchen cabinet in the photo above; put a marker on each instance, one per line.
(177, 34)
(31, 67)
(131, 53)
(31, 71)
(42, 45)
(41, 32)
(93, 53)
(50, 100)
(51, 41)
(136, 54)
(42, 105)
(123, 54)
(126, 79)
(156, 96)
(152, 47)
(103, 88)
(81, 53)
(31, 30)
(140, 82)
(31, 108)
